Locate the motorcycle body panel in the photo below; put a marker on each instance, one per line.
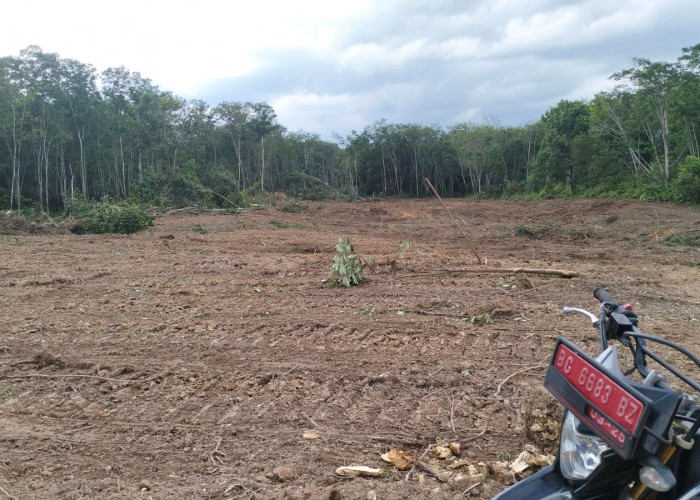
(549, 484)
(546, 484)
(602, 403)
(689, 470)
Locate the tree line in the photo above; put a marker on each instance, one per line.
(68, 132)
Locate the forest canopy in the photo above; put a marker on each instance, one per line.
(67, 132)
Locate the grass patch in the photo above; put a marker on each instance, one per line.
(291, 206)
(537, 231)
(688, 239)
(550, 230)
(284, 225)
(5, 394)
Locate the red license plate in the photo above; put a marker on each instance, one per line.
(610, 402)
(608, 427)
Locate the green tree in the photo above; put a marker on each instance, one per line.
(81, 99)
(479, 150)
(14, 111)
(263, 121)
(235, 116)
(655, 83)
(555, 162)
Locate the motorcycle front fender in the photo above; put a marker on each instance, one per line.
(692, 494)
(546, 484)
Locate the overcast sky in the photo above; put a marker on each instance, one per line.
(333, 66)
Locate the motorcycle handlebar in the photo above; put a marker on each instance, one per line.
(603, 295)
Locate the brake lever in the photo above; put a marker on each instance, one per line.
(595, 320)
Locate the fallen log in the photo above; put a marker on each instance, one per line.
(501, 270)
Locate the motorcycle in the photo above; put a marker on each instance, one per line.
(620, 438)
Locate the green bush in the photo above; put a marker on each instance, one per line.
(222, 185)
(105, 217)
(183, 186)
(687, 182)
(292, 206)
(177, 187)
(347, 267)
(4, 198)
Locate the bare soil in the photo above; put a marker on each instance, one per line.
(208, 357)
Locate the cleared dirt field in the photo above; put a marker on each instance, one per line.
(207, 357)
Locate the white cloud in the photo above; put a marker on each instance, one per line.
(470, 115)
(541, 30)
(578, 24)
(587, 87)
(180, 44)
(373, 57)
(638, 16)
(313, 112)
(458, 48)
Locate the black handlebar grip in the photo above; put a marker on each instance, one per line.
(602, 295)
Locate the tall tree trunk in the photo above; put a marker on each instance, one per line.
(461, 170)
(692, 140)
(39, 176)
(384, 168)
(415, 167)
(63, 179)
(83, 168)
(46, 177)
(239, 157)
(16, 164)
(570, 176)
(115, 156)
(262, 163)
(663, 116)
(396, 170)
(123, 165)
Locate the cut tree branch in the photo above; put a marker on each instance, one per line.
(7, 493)
(502, 270)
(469, 242)
(500, 386)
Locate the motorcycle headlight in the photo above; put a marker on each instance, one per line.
(579, 454)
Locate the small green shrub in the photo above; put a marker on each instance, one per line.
(688, 239)
(105, 217)
(482, 319)
(347, 267)
(279, 224)
(537, 231)
(688, 180)
(291, 206)
(525, 232)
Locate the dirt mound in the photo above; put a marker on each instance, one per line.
(13, 224)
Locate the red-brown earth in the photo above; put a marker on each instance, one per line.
(208, 356)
